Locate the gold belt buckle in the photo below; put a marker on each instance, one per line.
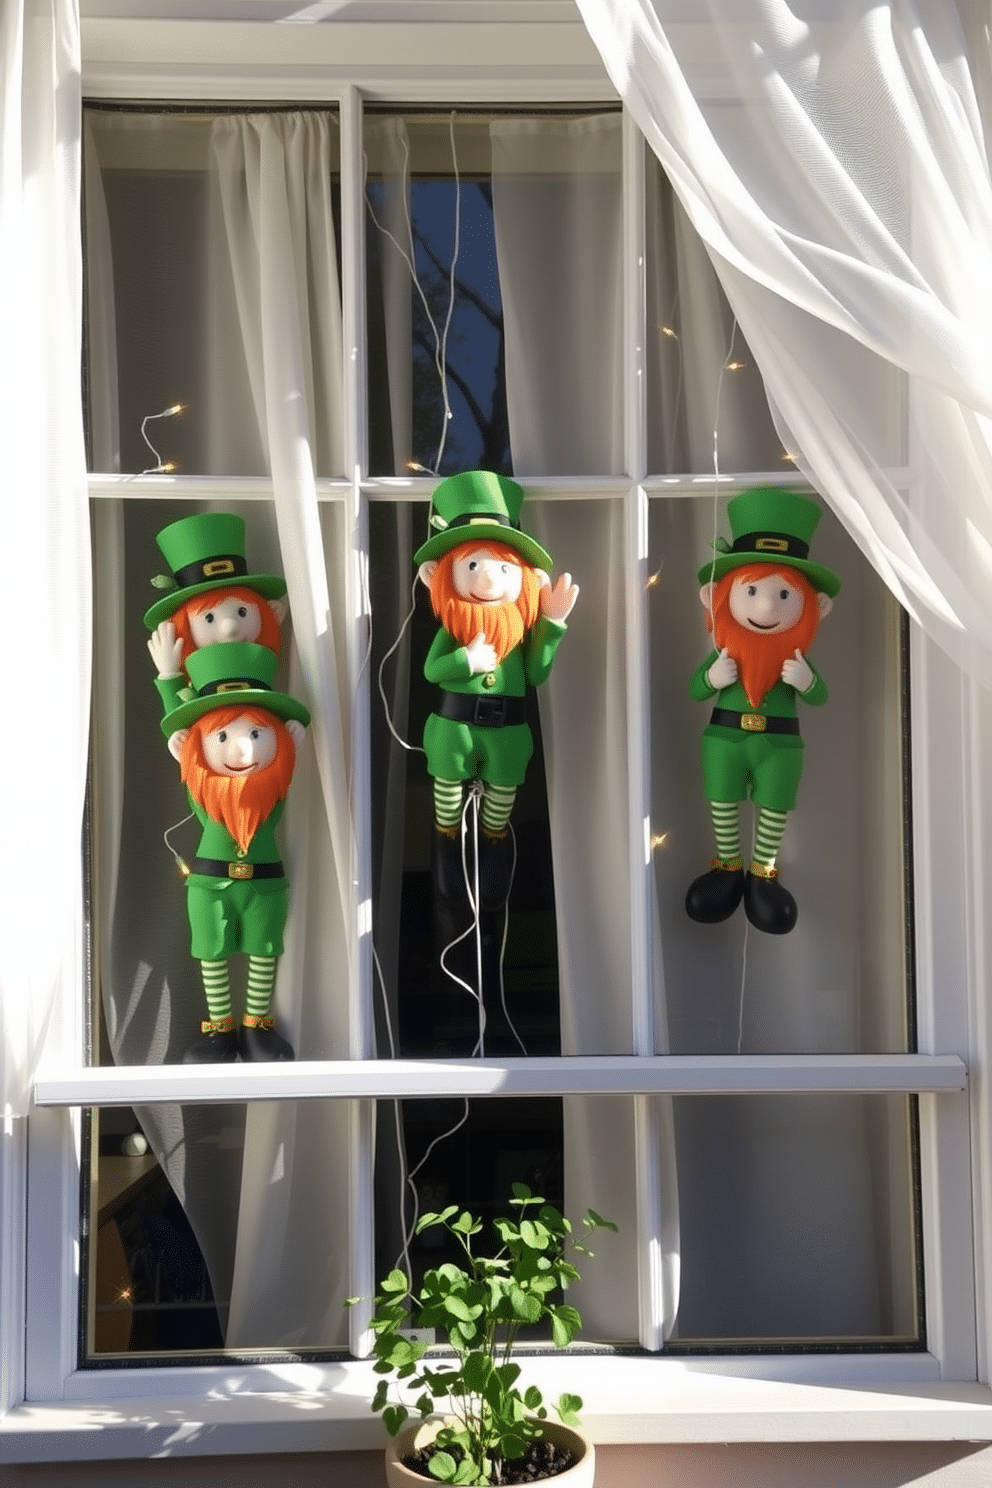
(240, 870)
(754, 723)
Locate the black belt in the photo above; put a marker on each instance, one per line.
(218, 868)
(754, 723)
(477, 707)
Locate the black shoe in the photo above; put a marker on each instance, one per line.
(217, 1047)
(715, 895)
(497, 860)
(768, 905)
(446, 864)
(260, 1044)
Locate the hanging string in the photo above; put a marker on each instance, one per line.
(408, 1191)
(727, 365)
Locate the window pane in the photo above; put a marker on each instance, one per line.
(177, 280)
(178, 1260)
(520, 217)
(798, 1221)
(838, 983)
(701, 374)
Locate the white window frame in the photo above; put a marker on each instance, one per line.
(49, 1408)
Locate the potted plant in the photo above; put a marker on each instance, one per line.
(491, 1432)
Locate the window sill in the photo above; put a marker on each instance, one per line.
(627, 1401)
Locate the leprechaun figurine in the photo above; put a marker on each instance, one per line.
(209, 597)
(236, 741)
(502, 622)
(764, 600)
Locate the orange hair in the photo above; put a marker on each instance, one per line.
(268, 635)
(502, 624)
(239, 804)
(759, 657)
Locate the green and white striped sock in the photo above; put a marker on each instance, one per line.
(217, 986)
(768, 836)
(726, 828)
(447, 802)
(261, 980)
(497, 803)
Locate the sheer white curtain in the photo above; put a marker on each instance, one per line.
(46, 535)
(256, 1183)
(834, 161)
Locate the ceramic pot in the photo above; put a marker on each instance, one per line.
(420, 1433)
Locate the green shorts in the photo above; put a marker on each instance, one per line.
(470, 751)
(228, 915)
(765, 767)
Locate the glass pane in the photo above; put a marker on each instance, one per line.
(151, 995)
(839, 981)
(702, 376)
(179, 1259)
(432, 1003)
(176, 281)
(471, 1153)
(798, 1222)
(494, 292)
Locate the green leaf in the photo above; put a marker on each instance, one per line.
(601, 1223)
(466, 1224)
(567, 1407)
(533, 1397)
(443, 1467)
(525, 1307)
(478, 1371)
(393, 1417)
(521, 1194)
(534, 1234)
(459, 1308)
(396, 1281)
(379, 1398)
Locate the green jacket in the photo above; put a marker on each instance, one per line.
(778, 702)
(526, 665)
(217, 842)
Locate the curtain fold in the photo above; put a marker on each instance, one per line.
(835, 165)
(46, 528)
(275, 177)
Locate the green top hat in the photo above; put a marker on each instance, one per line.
(232, 674)
(205, 552)
(474, 506)
(770, 526)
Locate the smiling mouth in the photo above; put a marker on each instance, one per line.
(756, 625)
(241, 769)
(483, 598)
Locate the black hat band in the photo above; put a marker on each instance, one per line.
(222, 566)
(470, 519)
(775, 544)
(233, 684)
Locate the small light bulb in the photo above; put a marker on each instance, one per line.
(658, 839)
(667, 331)
(735, 366)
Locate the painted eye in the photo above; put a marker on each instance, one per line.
(752, 589)
(242, 612)
(472, 565)
(506, 568)
(255, 734)
(209, 617)
(784, 593)
(222, 737)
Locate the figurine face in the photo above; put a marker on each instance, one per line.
(231, 619)
(766, 605)
(483, 579)
(240, 748)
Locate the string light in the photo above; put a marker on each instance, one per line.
(159, 468)
(416, 466)
(658, 839)
(735, 366)
(787, 458)
(654, 579)
(667, 331)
